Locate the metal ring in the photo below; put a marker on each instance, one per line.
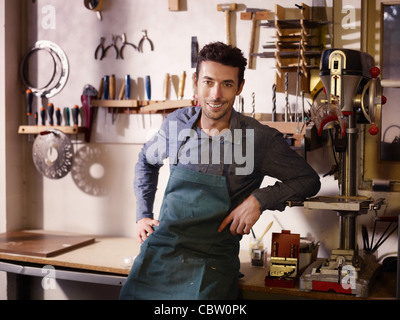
(61, 65)
(24, 68)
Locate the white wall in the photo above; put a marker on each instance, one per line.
(63, 205)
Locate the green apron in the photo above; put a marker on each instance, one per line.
(186, 258)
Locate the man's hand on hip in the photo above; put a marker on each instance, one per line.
(144, 228)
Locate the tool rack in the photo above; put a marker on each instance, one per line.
(122, 106)
(298, 46)
(140, 106)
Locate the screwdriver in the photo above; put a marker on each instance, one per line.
(43, 116)
(58, 117)
(75, 115)
(112, 87)
(67, 117)
(166, 86)
(148, 88)
(29, 99)
(50, 110)
(112, 96)
(106, 85)
(181, 85)
(127, 86)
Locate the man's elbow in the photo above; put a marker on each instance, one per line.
(314, 185)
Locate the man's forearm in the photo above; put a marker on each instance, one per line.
(145, 187)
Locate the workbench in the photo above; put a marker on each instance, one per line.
(108, 261)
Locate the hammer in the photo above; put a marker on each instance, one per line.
(254, 15)
(227, 8)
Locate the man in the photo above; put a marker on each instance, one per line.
(213, 196)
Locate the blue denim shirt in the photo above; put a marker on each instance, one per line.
(244, 154)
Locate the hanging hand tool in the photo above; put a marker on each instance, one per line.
(113, 45)
(148, 88)
(43, 116)
(148, 93)
(166, 86)
(145, 37)
(112, 97)
(106, 87)
(128, 87)
(58, 117)
(29, 99)
(100, 50)
(274, 102)
(89, 93)
(101, 88)
(67, 116)
(50, 110)
(75, 115)
(241, 104)
(254, 15)
(195, 52)
(287, 105)
(121, 94)
(182, 81)
(124, 44)
(227, 8)
(253, 105)
(112, 87)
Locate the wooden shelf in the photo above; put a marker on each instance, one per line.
(143, 106)
(39, 129)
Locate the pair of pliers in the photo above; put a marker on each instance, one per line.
(100, 48)
(114, 45)
(125, 43)
(145, 37)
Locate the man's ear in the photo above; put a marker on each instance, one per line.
(240, 88)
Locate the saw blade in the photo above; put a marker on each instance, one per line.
(53, 154)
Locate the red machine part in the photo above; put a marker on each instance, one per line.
(285, 245)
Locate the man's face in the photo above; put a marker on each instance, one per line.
(218, 86)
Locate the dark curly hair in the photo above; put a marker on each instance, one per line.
(224, 54)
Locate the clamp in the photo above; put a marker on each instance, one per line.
(145, 37)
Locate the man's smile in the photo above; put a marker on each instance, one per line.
(215, 105)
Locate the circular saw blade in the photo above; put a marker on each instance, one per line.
(53, 154)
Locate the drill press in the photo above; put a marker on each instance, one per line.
(353, 95)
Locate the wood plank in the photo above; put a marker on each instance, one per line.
(41, 244)
(39, 129)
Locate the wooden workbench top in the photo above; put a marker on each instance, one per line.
(106, 254)
(115, 255)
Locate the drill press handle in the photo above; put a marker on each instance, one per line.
(375, 101)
